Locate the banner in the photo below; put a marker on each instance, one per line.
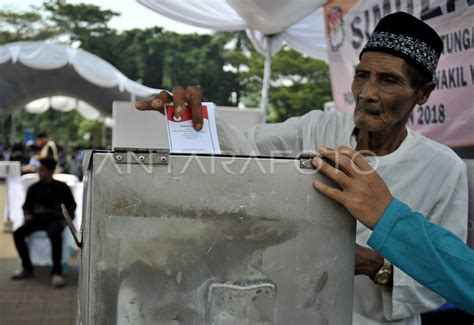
(448, 117)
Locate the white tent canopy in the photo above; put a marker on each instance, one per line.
(66, 104)
(63, 104)
(299, 23)
(48, 56)
(268, 23)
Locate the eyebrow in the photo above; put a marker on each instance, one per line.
(398, 76)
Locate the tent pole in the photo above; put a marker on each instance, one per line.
(13, 131)
(104, 130)
(4, 135)
(267, 70)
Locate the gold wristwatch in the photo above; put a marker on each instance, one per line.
(382, 277)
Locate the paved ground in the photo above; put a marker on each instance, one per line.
(34, 301)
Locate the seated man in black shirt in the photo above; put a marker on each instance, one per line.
(42, 211)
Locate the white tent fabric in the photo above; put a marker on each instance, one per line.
(257, 18)
(87, 111)
(216, 15)
(38, 106)
(308, 36)
(273, 16)
(45, 56)
(63, 104)
(109, 122)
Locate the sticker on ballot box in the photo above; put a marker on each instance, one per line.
(182, 136)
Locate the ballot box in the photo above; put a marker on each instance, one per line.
(185, 239)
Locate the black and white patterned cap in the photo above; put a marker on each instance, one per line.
(405, 36)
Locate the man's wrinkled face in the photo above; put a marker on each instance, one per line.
(382, 92)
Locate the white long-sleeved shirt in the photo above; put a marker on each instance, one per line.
(428, 176)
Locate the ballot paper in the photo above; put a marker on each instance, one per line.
(182, 136)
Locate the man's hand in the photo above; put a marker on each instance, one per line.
(364, 193)
(367, 261)
(192, 96)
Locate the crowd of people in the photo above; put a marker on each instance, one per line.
(69, 159)
(42, 207)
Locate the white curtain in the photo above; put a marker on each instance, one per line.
(45, 56)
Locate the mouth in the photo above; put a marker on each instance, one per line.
(369, 111)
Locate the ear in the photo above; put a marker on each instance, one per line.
(425, 92)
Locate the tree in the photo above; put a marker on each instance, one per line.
(161, 59)
(66, 128)
(79, 20)
(142, 55)
(299, 83)
(20, 26)
(84, 25)
(197, 59)
(238, 53)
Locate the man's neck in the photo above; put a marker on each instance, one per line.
(47, 180)
(381, 143)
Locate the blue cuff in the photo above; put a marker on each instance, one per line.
(387, 222)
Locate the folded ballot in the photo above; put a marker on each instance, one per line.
(182, 136)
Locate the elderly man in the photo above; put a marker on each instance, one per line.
(394, 75)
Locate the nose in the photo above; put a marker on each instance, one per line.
(369, 91)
